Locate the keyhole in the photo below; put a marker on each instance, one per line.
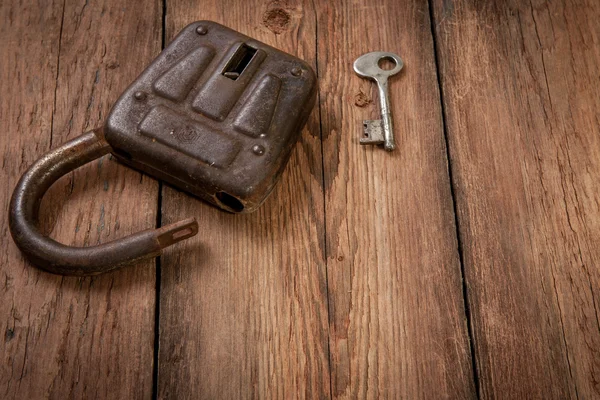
(387, 63)
(230, 201)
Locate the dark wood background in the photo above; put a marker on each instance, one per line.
(463, 265)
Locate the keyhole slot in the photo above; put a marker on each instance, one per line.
(239, 61)
(230, 202)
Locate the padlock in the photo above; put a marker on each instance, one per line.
(216, 114)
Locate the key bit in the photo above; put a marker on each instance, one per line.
(367, 66)
(373, 132)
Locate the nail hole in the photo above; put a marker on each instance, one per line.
(387, 63)
(230, 202)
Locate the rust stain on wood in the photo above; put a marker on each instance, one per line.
(361, 99)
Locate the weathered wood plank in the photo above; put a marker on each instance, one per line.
(243, 309)
(397, 318)
(520, 83)
(62, 69)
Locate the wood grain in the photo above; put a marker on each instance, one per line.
(243, 306)
(347, 283)
(520, 84)
(397, 319)
(63, 66)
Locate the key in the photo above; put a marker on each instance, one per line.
(367, 66)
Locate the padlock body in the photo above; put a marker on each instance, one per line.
(216, 114)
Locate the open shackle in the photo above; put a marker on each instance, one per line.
(58, 258)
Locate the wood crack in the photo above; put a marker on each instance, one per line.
(558, 300)
(452, 182)
(62, 22)
(323, 186)
(542, 55)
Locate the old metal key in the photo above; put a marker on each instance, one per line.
(367, 66)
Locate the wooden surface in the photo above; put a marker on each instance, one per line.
(397, 325)
(463, 265)
(520, 85)
(246, 299)
(62, 68)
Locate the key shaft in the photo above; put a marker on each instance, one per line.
(386, 115)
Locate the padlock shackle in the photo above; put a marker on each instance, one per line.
(58, 258)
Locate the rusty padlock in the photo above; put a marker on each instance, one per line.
(216, 114)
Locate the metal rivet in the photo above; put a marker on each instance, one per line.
(258, 149)
(201, 30)
(140, 96)
(296, 71)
